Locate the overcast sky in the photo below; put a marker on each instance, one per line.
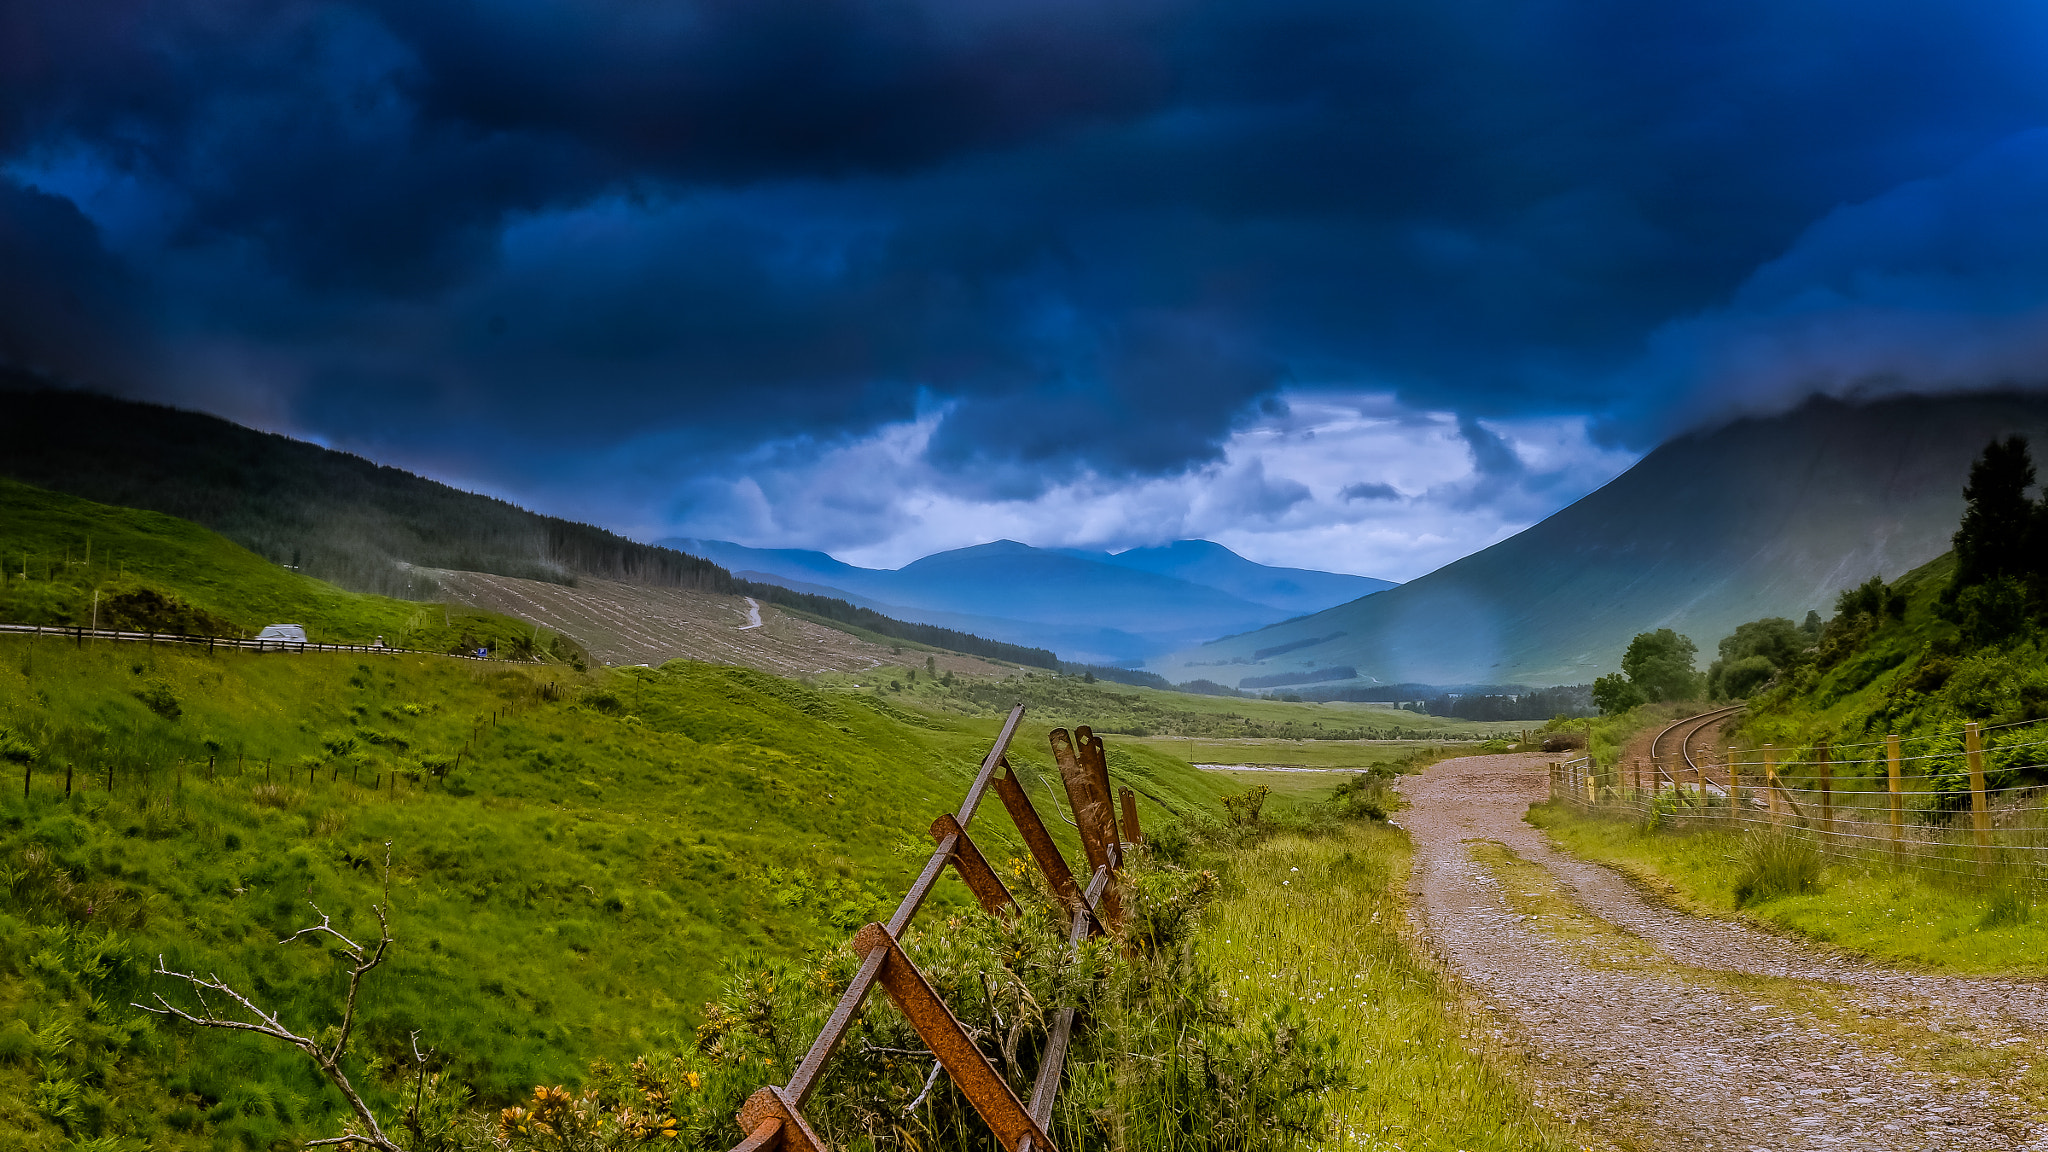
(1359, 286)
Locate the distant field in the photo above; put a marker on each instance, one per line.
(1357, 754)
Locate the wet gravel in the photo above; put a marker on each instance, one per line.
(1684, 1053)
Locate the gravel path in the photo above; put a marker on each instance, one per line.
(1682, 1032)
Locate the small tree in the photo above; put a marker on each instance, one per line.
(1614, 693)
(1999, 521)
(1660, 665)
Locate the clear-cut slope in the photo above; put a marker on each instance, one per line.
(1763, 517)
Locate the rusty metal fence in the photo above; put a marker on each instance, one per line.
(1925, 802)
(773, 1117)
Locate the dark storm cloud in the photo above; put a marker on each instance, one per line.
(1094, 235)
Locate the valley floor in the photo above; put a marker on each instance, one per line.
(1647, 1027)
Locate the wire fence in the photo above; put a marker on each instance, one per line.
(79, 635)
(1955, 807)
(773, 1117)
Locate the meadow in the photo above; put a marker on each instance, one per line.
(576, 857)
(1870, 908)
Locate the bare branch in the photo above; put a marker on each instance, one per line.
(254, 1019)
(928, 1082)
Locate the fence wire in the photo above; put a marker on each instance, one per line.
(1948, 813)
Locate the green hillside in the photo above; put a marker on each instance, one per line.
(362, 525)
(576, 859)
(152, 572)
(1914, 670)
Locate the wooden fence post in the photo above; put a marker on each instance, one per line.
(1734, 789)
(1891, 751)
(1980, 807)
(1771, 783)
(1824, 778)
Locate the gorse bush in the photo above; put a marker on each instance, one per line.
(1775, 864)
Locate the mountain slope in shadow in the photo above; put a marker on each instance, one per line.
(1763, 517)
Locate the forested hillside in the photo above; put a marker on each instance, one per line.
(357, 524)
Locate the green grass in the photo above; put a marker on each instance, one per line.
(1321, 919)
(571, 874)
(1889, 914)
(1151, 713)
(57, 553)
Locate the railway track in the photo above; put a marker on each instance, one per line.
(1683, 732)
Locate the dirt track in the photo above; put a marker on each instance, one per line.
(1650, 1028)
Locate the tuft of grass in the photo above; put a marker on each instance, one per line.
(1774, 864)
(1321, 920)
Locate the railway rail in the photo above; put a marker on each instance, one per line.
(1685, 730)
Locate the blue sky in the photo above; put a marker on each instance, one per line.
(1349, 285)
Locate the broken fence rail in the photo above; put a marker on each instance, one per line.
(212, 643)
(773, 1117)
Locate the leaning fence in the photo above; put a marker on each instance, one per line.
(1933, 807)
(773, 1117)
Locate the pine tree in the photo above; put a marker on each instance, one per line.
(1998, 528)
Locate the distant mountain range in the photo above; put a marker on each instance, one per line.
(1091, 607)
(1762, 517)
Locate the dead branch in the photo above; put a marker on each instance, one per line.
(250, 1018)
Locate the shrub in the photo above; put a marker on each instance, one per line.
(1776, 864)
(1243, 808)
(158, 697)
(1365, 796)
(1743, 677)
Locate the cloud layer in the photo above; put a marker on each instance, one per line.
(1058, 261)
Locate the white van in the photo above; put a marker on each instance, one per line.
(289, 633)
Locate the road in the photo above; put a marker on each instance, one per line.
(1645, 1027)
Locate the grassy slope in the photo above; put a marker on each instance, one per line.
(569, 890)
(1877, 912)
(1877, 689)
(45, 577)
(1151, 712)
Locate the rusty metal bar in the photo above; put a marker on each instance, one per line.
(1053, 1064)
(1130, 800)
(766, 1138)
(973, 867)
(785, 1103)
(978, 1080)
(988, 767)
(772, 1105)
(805, 1078)
(1038, 840)
(921, 887)
(1092, 813)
